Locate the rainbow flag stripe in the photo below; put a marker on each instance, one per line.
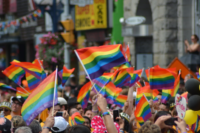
(176, 86)
(5, 87)
(139, 120)
(112, 92)
(105, 78)
(97, 60)
(122, 78)
(29, 67)
(33, 82)
(14, 73)
(23, 93)
(64, 74)
(143, 91)
(120, 100)
(123, 66)
(143, 109)
(161, 78)
(40, 99)
(166, 94)
(78, 118)
(84, 94)
(134, 77)
(155, 94)
(126, 53)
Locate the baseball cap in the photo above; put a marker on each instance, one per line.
(62, 101)
(6, 104)
(59, 125)
(171, 102)
(19, 98)
(5, 126)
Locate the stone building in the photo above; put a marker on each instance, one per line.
(168, 23)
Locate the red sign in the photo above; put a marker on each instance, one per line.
(1, 6)
(13, 6)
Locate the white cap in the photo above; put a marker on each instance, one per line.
(60, 124)
(62, 101)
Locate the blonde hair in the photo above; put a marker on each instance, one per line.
(149, 127)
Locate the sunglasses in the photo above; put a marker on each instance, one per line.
(4, 109)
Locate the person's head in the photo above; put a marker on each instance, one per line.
(163, 107)
(17, 121)
(149, 127)
(35, 127)
(88, 113)
(73, 81)
(188, 76)
(57, 107)
(17, 103)
(194, 38)
(72, 110)
(60, 125)
(23, 129)
(73, 93)
(67, 88)
(78, 129)
(80, 109)
(6, 108)
(63, 103)
(87, 122)
(6, 126)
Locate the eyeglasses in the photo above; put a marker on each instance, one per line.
(18, 104)
(4, 109)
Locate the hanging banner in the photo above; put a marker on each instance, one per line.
(91, 16)
(1, 6)
(13, 6)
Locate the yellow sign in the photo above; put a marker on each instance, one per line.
(82, 74)
(91, 16)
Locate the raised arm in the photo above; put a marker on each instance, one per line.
(101, 102)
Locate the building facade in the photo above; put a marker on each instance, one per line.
(161, 37)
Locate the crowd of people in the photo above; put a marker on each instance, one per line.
(98, 115)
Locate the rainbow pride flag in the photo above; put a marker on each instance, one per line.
(23, 93)
(29, 67)
(5, 87)
(84, 94)
(123, 78)
(176, 86)
(97, 60)
(143, 109)
(105, 78)
(155, 94)
(161, 78)
(166, 94)
(112, 92)
(78, 119)
(14, 73)
(64, 74)
(120, 100)
(134, 77)
(143, 91)
(126, 52)
(122, 66)
(40, 99)
(139, 120)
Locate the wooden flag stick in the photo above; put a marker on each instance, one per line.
(24, 89)
(54, 89)
(93, 84)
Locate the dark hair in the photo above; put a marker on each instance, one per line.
(196, 37)
(160, 113)
(87, 118)
(55, 105)
(78, 129)
(71, 108)
(35, 126)
(73, 79)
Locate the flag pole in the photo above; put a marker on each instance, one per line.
(54, 93)
(150, 87)
(24, 89)
(86, 71)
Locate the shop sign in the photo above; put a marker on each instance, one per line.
(135, 20)
(91, 16)
(81, 3)
(1, 6)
